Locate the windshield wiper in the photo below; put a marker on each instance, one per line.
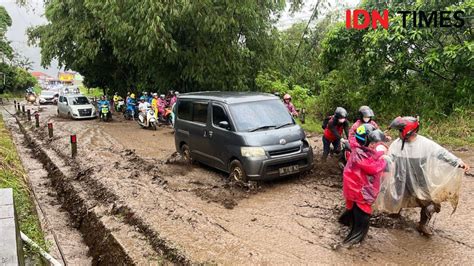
(260, 128)
(284, 125)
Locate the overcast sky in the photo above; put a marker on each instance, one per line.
(32, 14)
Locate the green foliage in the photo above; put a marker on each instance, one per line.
(91, 92)
(270, 83)
(6, 52)
(13, 176)
(14, 77)
(399, 70)
(158, 45)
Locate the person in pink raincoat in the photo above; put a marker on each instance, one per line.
(161, 105)
(289, 105)
(361, 181)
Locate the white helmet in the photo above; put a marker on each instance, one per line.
(162, 96)
(155, 94)
(176, 93)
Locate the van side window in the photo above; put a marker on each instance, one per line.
(185, 110)
(200, 112)
(61, 98)
(218, 115)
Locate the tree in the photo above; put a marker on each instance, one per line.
(187, 45)
(6, 52)
(401, 69)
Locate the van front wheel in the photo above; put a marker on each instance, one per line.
(237, 172)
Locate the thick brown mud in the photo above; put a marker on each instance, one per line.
(195, 214)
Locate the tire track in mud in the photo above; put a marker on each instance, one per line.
(271, 226)
(99, 232)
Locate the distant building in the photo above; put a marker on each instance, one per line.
(66, 77)
(40, 76)
(70, 77)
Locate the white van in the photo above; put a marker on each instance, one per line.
(75, 106)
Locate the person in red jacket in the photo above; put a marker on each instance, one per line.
(333, 131)
(361, 181)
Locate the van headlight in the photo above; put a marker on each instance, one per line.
(252, 152)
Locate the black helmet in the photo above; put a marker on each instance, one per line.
(376, 136)
(362, 134)
(340, 113)
(365, 111)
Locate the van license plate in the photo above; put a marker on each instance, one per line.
(289, 170)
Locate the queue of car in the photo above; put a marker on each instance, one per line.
(249, 135)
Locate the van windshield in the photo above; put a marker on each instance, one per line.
(261, 115)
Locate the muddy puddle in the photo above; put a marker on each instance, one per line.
(195, 214)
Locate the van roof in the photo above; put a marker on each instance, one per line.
(228, 96)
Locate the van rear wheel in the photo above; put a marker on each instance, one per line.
(237, 172)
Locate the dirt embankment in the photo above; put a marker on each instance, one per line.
(194, 214)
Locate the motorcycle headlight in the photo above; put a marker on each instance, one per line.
(252, 151)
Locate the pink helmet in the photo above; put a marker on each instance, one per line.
(287, 97)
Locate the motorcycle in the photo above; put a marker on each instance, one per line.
(30, 97)
(167, 118)
(104, 113)
(119, 105)
(147, 119)
(131, 112)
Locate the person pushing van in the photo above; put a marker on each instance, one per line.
(333, 128)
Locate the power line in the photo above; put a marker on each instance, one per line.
(315, 12)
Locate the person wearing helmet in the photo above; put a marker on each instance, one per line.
(289, 105)
(361, 183)
(143, 107)
(365, 117)
(131, 103)
(174, 98)
(154, 104)
(161, 106)
(103, 101)
(336, 124)
(422, 169)
(115, 100)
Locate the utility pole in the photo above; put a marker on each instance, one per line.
(4, 78)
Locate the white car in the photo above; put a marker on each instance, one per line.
(75, 106)
(48, 97)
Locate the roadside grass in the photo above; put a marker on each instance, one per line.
(19, 94)
(12, 175)
(91, 92)
(311, 125)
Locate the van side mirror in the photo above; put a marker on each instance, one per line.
(224, 124)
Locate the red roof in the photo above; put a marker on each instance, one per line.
(38, 74)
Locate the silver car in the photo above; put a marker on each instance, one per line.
(75, 106)
(251, 136)
(47, 96)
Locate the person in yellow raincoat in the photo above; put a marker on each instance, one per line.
(154, 104)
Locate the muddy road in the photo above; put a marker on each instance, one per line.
(194, 214)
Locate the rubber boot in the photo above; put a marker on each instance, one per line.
(425, 216)
(360, 226)
(346, 218)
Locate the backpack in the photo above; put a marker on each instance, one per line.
(326, 121)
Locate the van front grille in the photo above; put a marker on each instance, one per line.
(284, 151)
